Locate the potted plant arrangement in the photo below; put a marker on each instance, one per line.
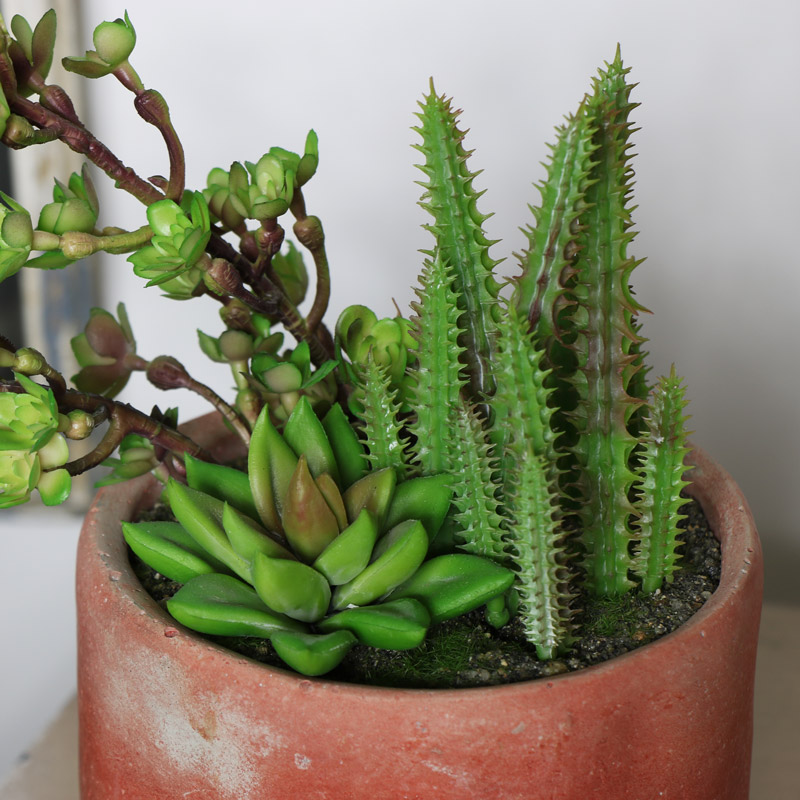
(497, 456)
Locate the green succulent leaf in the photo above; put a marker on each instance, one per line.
(348, 450)
(349, 553)
(169, 550)
(225, 483)
(305, 434)
(397, 556)
(247, 537)
(292, 588)
(395, 625)
(374, 492)
(426, 498)
(454, 584)
(221, 605)
(312, 654)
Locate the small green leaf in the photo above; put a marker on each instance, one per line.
(349, 553)
(454, 584)
(305, 434)
(374, 492)
(270, 464)
(168, 549)
(398, 625)
(221, 605)
(426, 499)
(200, 515)
(312, 654)
(404, 549)
(247, 537)
(292, 588)
(225, 483)
(346, 447)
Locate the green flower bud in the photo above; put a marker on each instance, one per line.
(16, 237)
(114, 41)
(81, 425)
(74, 208)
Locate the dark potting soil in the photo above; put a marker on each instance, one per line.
(467, 651)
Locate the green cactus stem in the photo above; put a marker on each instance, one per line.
(476, 490)
(537, 545)
(606, 361)
(460, 239)
(437, 377)
(662, 468)
(548, 263)
(378, 409)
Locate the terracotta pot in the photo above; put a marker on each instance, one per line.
(166, 714)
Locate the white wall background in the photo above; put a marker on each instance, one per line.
(717, 170)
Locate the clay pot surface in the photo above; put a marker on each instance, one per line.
(165, 714)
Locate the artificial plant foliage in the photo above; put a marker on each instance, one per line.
(400, 471)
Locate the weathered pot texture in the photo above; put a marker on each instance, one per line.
(166, 714)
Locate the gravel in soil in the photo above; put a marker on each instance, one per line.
(468, 652)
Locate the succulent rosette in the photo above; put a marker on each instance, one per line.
(311, 548)
(178, 244)
(31, 448)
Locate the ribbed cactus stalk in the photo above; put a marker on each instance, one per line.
(541, 290)
(520, 402)
(476, 492)
(660, 498)
(437, 378)
(605, 346)
(378, 408)
(537, 545)
(460, 239)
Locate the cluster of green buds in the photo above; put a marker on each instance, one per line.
(310, 549)
(173, 258)
(263, 190)
(31, 448)
(388, 342)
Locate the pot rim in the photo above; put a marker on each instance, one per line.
(725, 507)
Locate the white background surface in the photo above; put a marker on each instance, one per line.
(717, 175)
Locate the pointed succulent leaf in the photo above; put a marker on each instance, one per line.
(329, 489)
(247, 537)
(308, 522)
(221, 605)
(312, 654)
(427, 499)
(169, 550)
(404, 549)
(348, 450)
(270, 465)
(305, 434)
(396, 625)
(349, 553)
(454, 584)
(200, 515)
(42, 44)
(291, 588)
(374, 492)
(225, 483)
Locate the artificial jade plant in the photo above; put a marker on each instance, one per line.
(500, 447)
